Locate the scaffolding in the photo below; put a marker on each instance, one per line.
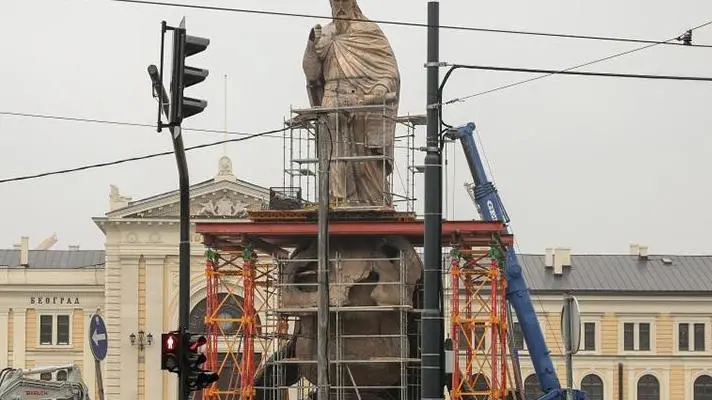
(300, 160)
(241, 330)
(263, 347)
(479, 324)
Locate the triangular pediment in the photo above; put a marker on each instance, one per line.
(223, 199)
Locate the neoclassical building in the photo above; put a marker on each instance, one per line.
(141, 275)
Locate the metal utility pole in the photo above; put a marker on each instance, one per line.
(323, 265)
(184, 244)
(176, 108)
(432, 318)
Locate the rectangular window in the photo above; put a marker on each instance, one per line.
(518, 336)
(644, 336)
(637, 336)
(628, 336)
(699, 337)
(479, 336)
(54, 329)
(46, 329)
(462, 338)
(589, 336)
(63, 329)
(691, 336)
(683, 337)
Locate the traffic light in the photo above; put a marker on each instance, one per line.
(184, 76)
(196, 377)
(170, 343)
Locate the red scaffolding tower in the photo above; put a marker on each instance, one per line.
(478, 324)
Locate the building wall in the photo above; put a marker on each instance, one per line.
(28, 294)
(674, 370)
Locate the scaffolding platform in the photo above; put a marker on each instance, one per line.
(264, 235)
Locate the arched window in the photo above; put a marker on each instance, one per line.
(46, 376)
(703, 388)
(229, 308)
(593, 386)
(531, 387)
(648, 388)
(62, 375)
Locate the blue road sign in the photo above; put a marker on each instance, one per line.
(98, 340)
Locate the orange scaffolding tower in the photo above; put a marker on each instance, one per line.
(238, 343)
(478, 324)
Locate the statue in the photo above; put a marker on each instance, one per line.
(351, 63)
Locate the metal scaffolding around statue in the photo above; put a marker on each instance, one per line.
(373, 350)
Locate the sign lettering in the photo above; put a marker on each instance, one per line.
(64, 300)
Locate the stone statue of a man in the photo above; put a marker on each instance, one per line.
(350, 63)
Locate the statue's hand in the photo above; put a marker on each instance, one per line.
(315, 34)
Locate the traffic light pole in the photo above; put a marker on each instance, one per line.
(183, 256)
(176, 109)
(184, 245)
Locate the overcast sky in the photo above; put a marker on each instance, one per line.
(590, 163)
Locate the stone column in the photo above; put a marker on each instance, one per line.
(4, 346)
(154, 324)
(19, 338)
(112, 317)
(129, 324)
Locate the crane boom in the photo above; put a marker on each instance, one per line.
(490, 208)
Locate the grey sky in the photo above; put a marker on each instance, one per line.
(590, 163)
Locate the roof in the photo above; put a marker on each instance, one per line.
(621, 273)
(60, 259)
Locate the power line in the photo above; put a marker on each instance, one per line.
(123, 123)
(596, 61)
(601, 74)
(138, 158)
(410, 24)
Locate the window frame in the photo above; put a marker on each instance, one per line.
(597, 345)
(636, 321)
(691, 321)
(55, 328)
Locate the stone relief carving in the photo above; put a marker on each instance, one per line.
(224, 206)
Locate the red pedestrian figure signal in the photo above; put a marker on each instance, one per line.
(170, 343)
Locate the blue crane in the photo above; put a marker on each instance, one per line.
(490, 208)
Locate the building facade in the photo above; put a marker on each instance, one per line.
(47, 298)
(646, 332)
(141, 276)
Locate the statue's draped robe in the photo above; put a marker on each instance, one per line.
(349, 67)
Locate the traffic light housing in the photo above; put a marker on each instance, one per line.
(170, 345)
(184, 76)
(196, 377)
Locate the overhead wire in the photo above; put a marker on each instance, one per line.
(137, 158)
(551, 73)
(410, 24)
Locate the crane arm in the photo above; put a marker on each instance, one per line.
(490, 208)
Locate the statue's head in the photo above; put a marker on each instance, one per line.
(344, 9)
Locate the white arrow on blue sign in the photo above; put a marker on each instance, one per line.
(98, 340)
